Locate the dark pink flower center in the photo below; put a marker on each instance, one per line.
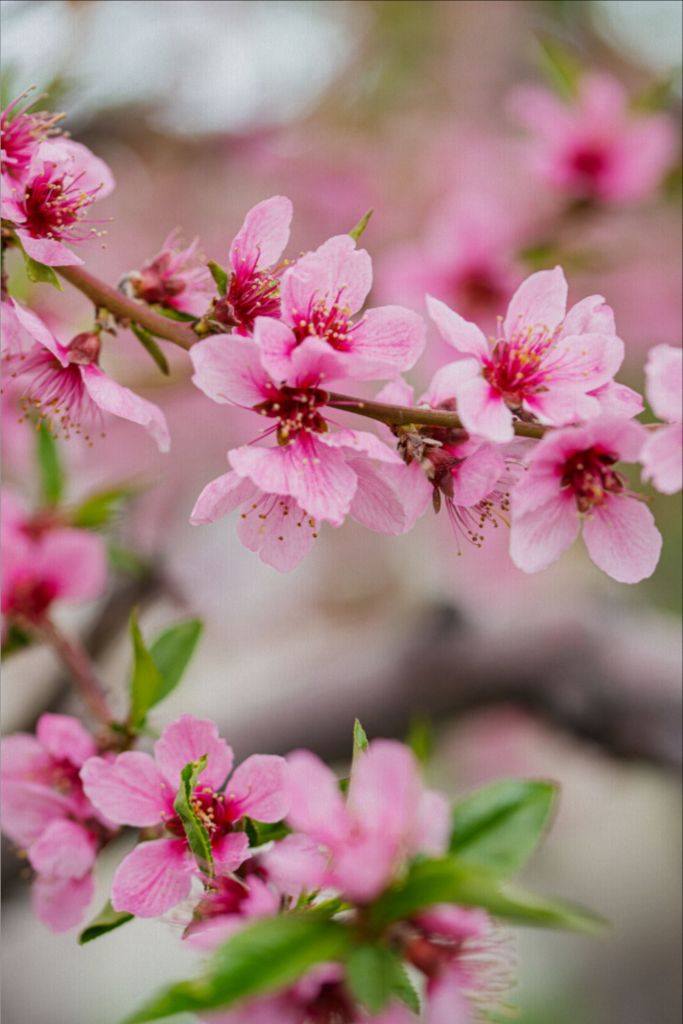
(54, 205)
(21, 132)
(478, 291)
(296, 409)
(57, 393)
(251, 293)
(590, 162)
(516, 368)
(216, 812)
(157, 282)
(589, 474)
(29, 597)
(330, 322)
(332, 1005)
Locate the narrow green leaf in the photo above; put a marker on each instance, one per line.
(500, 825)
(49, 466)
(360, 227)
(260, 832)
(106, 921)
(146, 680)
(100, 508)
(561, 66)
(447, 880)
(39, 273)
(171, 653)
(372, 973)
(421, 738)
(174, 314)
(150, 345)
(263, 957)
(197, 836)
(220, 276)
(360, 740)
(404, 989)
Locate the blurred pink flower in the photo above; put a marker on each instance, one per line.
(546, 362)
(387, 818)
(175, 277)
(67, 387)
(45, 810)
(136, 789)
(662, 454)
(320, 294)
(596, 147)
(44, 562)
(571, 481)
(48, 208)
(21, 132)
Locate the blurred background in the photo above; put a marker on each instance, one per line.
(203, 108)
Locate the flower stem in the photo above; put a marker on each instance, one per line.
(103, 295)
(403, 415)
(81, 670)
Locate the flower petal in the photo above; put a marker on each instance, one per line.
(154, 877)
(74, 561)
(664, 376)
(622, 539)
(484, 412)
(258, 788)
(335, 272)
(277, 528)
(63, 850)
(188, 739)
(264, 234)
(48, 251)
(61, 903)
(541, 300)
(228, 369)
(230, 852)
(120, 401)
(129, 790)
(295, 865)
(462, 335)
(662, 458)
(222, 496)
(388, 338)
(65, 738)
(540, 536)
(316, 806)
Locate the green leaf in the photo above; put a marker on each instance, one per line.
(99, 509)
(263, 957)
(146, 681)
(106, 921)
(49, 466)
(197, 836)
(15, 640)
(360, 740)
(126, 560)
(500, 826)
(373, 973)
(150, 345)
(421, 738)
(448, 880)
(561, 66)
(220, 276)
(404, 989)
(39, 273)
(260, 832)
(172, 651)
(174, 314)
(361, 226)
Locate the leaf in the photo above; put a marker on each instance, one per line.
(150, 345)
(174, 314)
(106, 921)
(171, 653)
(146, 681)
(263, 957)
(361, 226)
(448, 880)
(421, 738)
(220, 276)
(197, 836)
(360, 740)
(373, 973)
(39, 273)
(15, 640)
(100, 508)
(404, 989)
(49, 466)
(500, 826)
(260, 832)
(561, 66)
(126, 560)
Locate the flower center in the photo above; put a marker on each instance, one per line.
(251, 293)
(477, 291)
(331, 1006)
(21, 132)
(53, 205)
(296, 409)
(213, 810)
(329, 322)
(31, 598)
(589, 162)
(590, 476)
(515, 367)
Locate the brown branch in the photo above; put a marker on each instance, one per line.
(81, 670)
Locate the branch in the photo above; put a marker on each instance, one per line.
(123, 308)
(81, 670)
(403, 415)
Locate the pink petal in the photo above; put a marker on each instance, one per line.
(316, 806)
(541, 300)
(35, 327)
(484, 412)
(74, 561)
(363, 865)
(433, 824)
(28, 807)
(264, 233)
(79, 162)
(447, 1003)
(562, 406)
(65, 738)
(377, 502)
(449, 379)
(662, 458)
(588, 360)
(258, 788)
(396, 392)
(462, 335)
(129, 790)
(277, 528)
(48, 251)
(228, 369)
(539, 537)
(664, 375)
(295, 865)
(455, 923)
(119, 401)
(363, 443)
(312, 473)
(477, 475)
(385, 791)
(152, 879)
(63, 850)
(622, 539)
(589, 316)
(230, 852)
(618, 400)
(23, 758)
(276, 343)
(188, 739)
(61, 903)
(390, 338)
(222, 496)
(336, 271)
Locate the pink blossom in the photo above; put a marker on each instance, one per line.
(327, 474)
(545, 362)
(387, 818)
(49, 207)
(254, 279)
(596, 147)
(175, 277)
(136, 789)
(226, 907)
(45, 811)
(321, 293)
(44, 562)
(65, 384)
(662, 455)
(21, 132)
(571, 483)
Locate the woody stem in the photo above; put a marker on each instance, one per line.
(80, 668)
